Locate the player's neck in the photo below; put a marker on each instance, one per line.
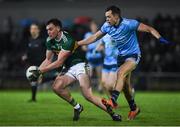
(59, 36)
(118, 22)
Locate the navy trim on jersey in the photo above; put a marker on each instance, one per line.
(109, 66)
(122, 59)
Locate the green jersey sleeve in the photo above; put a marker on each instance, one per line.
(48, 44)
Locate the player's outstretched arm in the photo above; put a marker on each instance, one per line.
(145, 28)
(91, 39)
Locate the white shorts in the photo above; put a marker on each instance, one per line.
(78, 69)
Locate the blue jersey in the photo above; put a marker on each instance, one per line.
(89, 54)
(124, 36)
(110, 52)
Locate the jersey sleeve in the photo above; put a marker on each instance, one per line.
(105, 28)
(48, 44)
(103, 40)
(134, 24)
(106, 38)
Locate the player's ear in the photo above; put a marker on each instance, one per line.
(116, 16)
(59, 29)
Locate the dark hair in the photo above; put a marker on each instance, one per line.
(55, 22)
(114, 9)
(36, 24)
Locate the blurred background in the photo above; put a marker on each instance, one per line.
(159, 68)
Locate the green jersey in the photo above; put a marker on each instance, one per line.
(68, 43)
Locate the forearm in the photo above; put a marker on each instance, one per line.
(155, 33)
(145, 28)
(87, 41)
(51, 66)
(45, 63)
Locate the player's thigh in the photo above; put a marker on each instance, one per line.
(85, 85)
(104, 77)
(91, 69)
(63, 81)
(98, 71)
(126, 67)
(112, 77)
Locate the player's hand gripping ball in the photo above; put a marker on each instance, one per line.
(33, 74)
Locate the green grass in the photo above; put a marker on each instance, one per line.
(157, 108)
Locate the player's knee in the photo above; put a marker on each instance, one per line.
(110, 86)
(103, 83)
(111, 83)
(58, 85)
(107, 86)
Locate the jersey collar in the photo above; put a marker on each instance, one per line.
(60, 37)
(120, 20)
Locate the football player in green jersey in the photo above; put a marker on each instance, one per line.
(62, 44)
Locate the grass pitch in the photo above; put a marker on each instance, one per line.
(157, 108)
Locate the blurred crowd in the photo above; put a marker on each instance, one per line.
(156, 57)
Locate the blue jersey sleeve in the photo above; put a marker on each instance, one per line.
(102, 41)
(105, 28)
(134, 24)
(106, 38)
(87, 35)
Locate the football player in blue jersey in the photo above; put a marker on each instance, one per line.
(109, 70)
(123, 33)
(95, 59)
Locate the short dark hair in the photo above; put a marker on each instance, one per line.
(114, 9)
(36, 24)
(55, 22)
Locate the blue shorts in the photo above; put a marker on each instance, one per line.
(109, 68)
(122, 59)
(95, 62)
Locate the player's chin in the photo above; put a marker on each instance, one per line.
(110, 23)
(51, 37)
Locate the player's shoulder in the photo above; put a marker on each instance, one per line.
(67, 36)
(48, 43)
(67, 39)
(107, 37)
(127, 21)
(106, 27)
(106, 24)
(66, 33)
(48, 39)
